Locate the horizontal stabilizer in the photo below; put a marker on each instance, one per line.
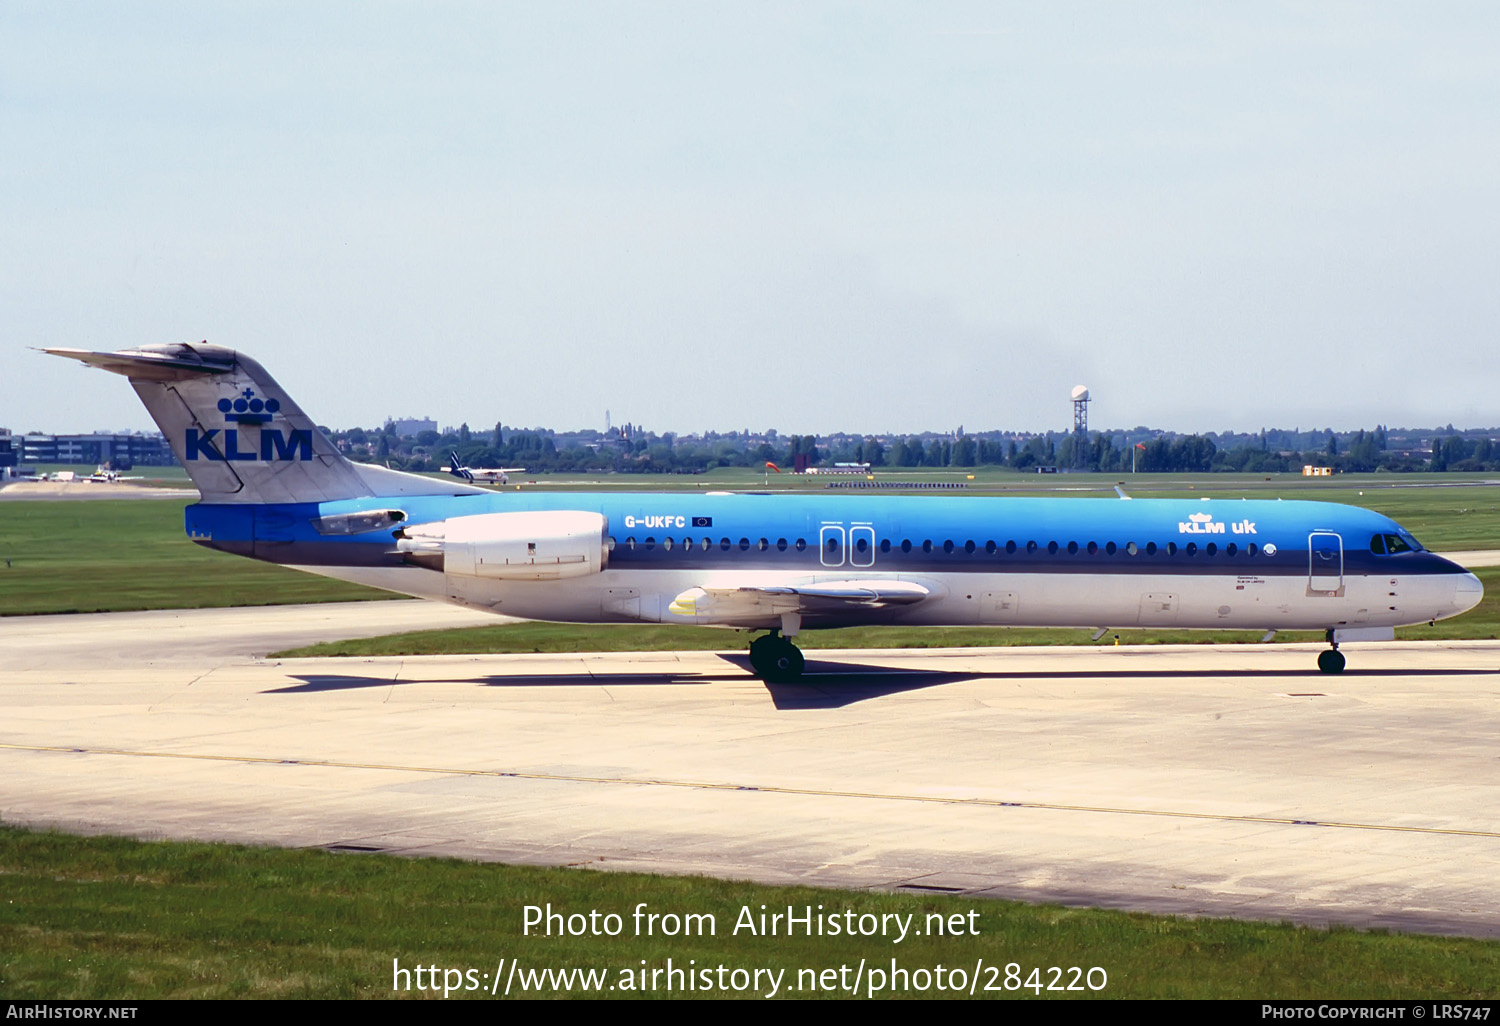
(161, 363)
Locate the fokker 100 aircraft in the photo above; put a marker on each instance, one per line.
(273, 487)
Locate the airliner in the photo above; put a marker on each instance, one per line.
(273, 487)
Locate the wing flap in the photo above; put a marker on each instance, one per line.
(770, 600)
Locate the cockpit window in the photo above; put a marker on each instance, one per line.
(1377, 545)
(1395, 543)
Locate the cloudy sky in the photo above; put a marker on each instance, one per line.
(813, 216)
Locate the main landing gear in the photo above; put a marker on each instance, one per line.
(1331, 661)
(775, 659)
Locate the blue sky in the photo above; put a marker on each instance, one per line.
(876, 217)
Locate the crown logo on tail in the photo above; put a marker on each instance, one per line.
(247, 408)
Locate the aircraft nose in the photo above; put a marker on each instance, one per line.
(1466, 593)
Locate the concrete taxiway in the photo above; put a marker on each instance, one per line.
(1188, 779)
(62, 490)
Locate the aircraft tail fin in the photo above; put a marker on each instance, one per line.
(456, 468)
(239, 435)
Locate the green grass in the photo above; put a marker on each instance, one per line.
(1483, 621)
(85, 918)
(118, 554)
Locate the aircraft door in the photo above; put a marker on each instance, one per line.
(1325, 562)
(831, 545)
(861, 545)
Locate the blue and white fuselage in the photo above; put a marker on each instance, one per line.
(1039, 562)
(275, 488)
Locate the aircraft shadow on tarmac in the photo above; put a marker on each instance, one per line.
(827, 684)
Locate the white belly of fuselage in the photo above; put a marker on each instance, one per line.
(967, 599)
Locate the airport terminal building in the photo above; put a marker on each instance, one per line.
(137, 449)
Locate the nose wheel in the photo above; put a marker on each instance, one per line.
(1331, 661)
(775, 659)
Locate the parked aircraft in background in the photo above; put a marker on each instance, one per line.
(101, 475)
(275, 488)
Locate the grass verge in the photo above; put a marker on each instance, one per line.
(112, 918)
(109, 555)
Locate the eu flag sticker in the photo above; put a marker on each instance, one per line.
(703, 521)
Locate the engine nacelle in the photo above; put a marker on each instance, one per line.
(522, 546)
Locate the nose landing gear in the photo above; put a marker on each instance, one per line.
(775, 659)
(1331, 661)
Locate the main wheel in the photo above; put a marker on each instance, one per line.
(1331, 661)
(787, 662)
(774, 658)
(762, 651)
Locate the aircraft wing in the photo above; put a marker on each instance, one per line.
(842, 597)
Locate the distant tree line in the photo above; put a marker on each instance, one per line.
(631, 449)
